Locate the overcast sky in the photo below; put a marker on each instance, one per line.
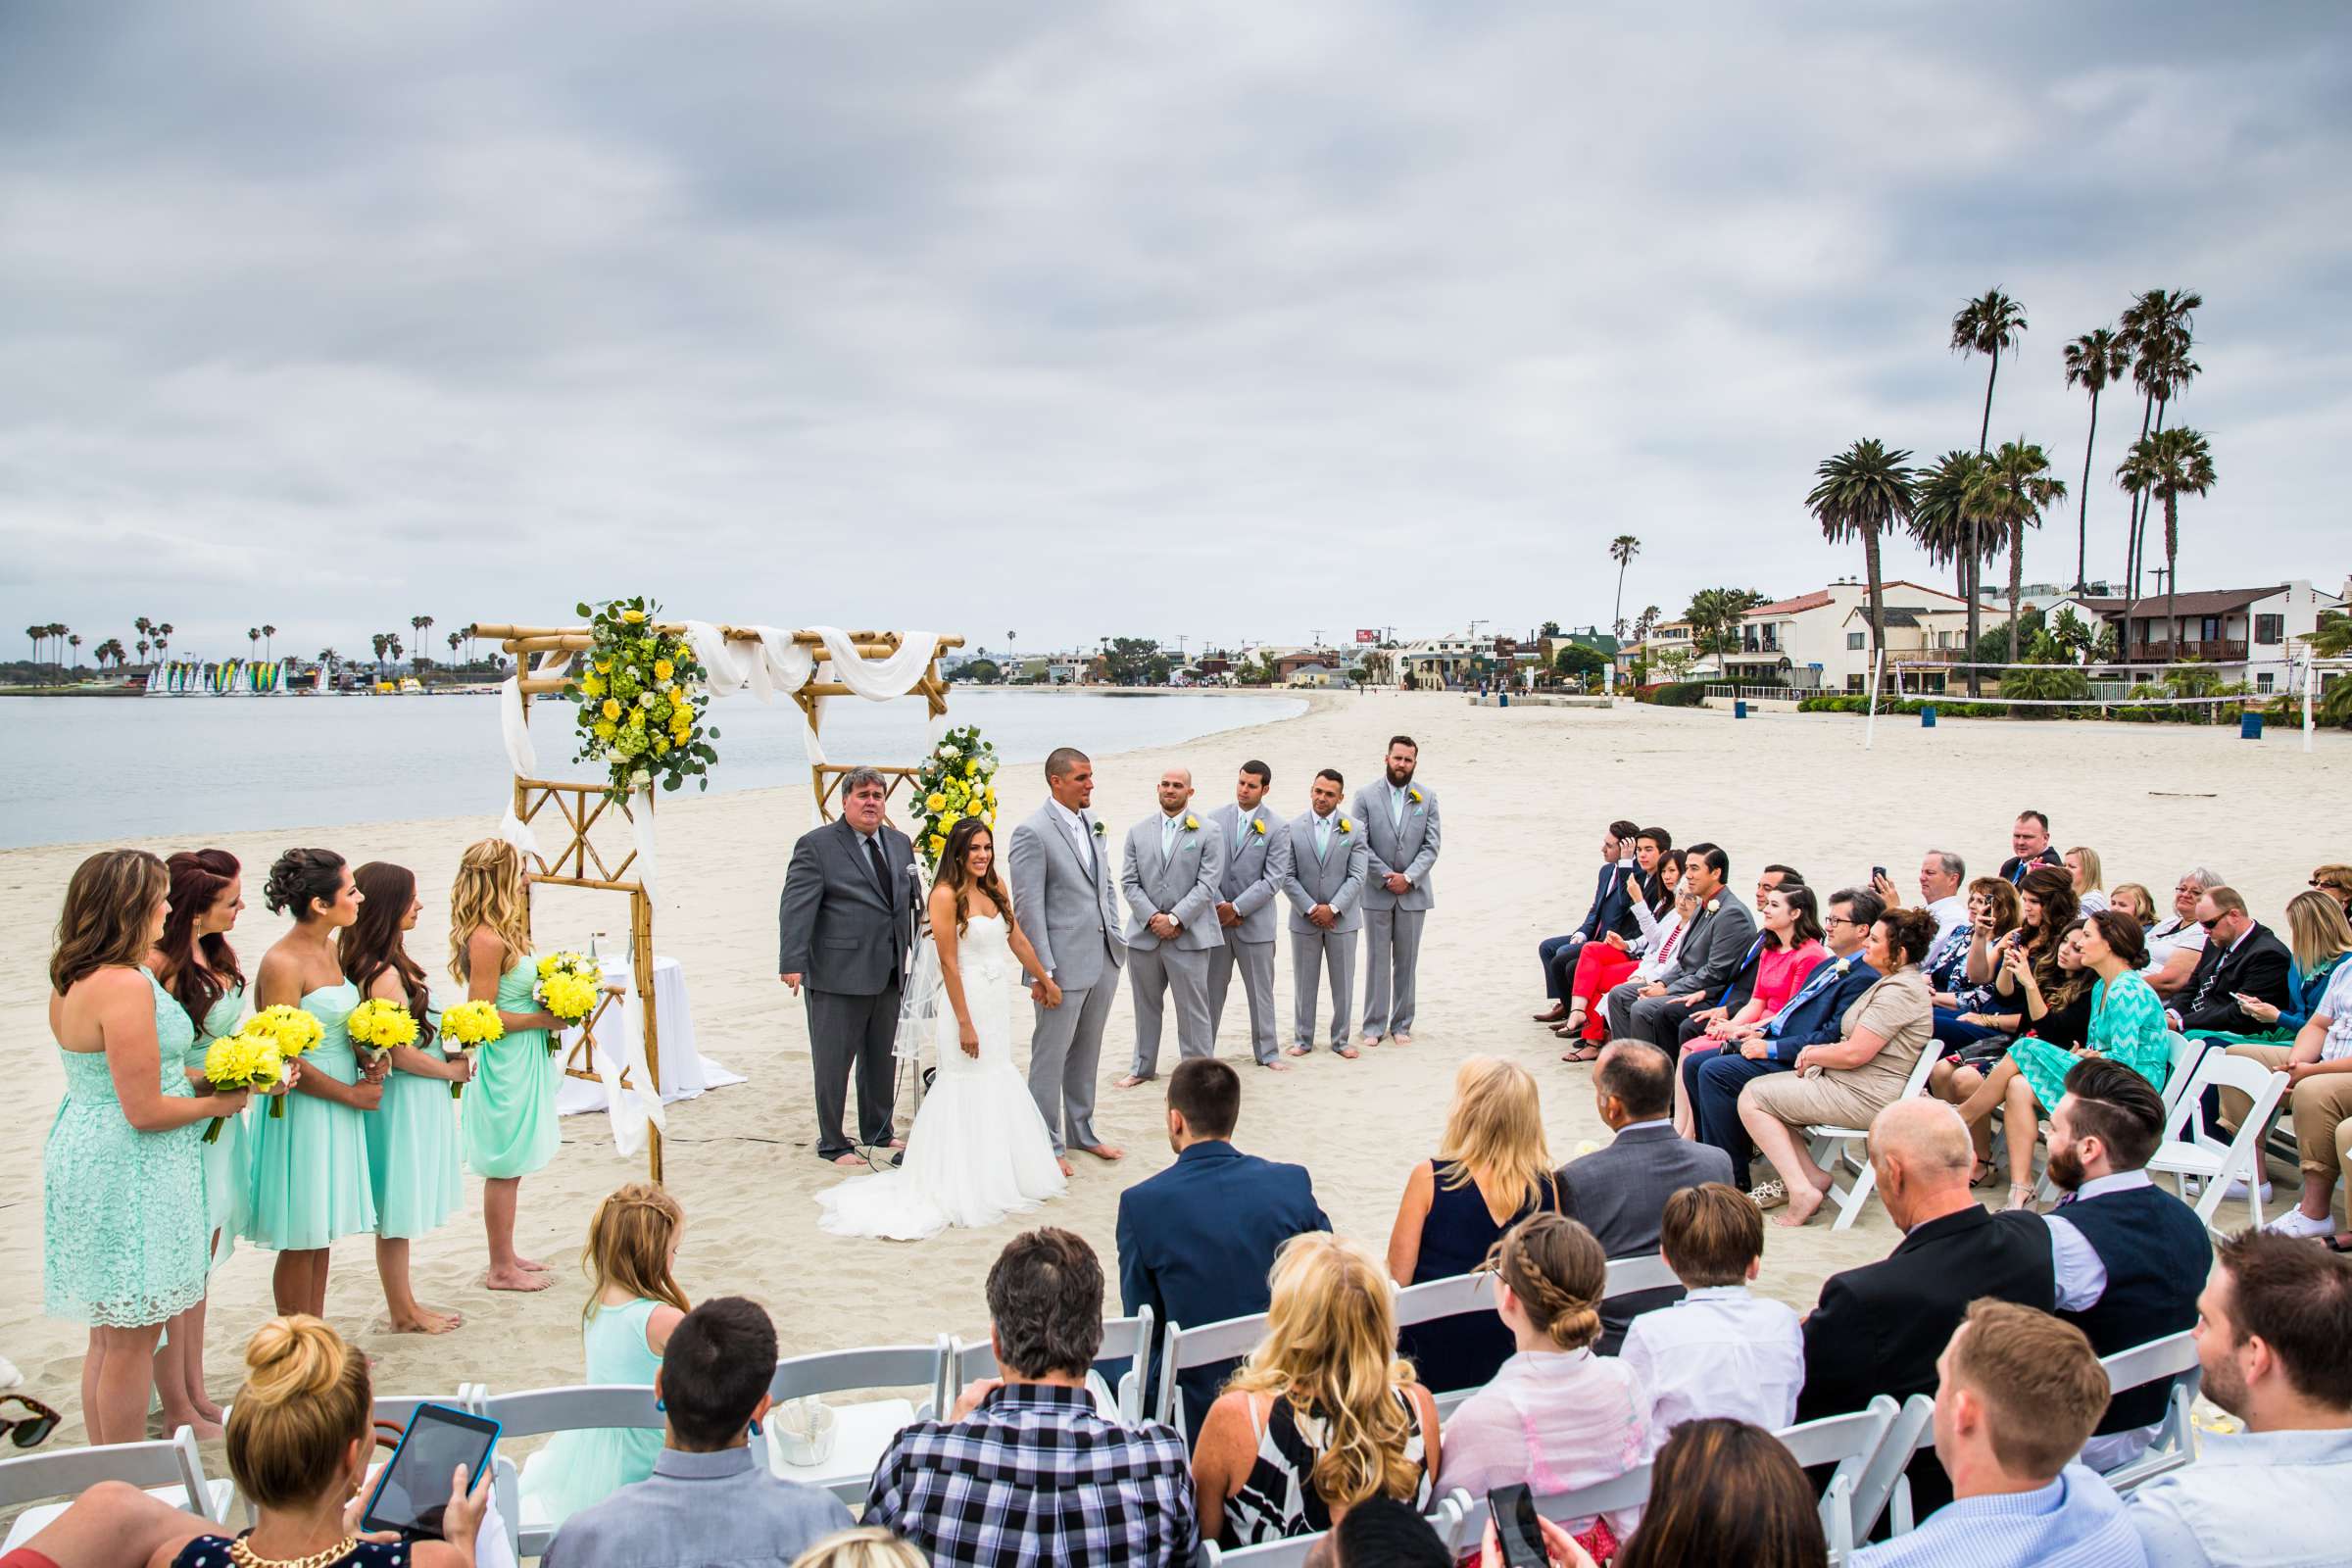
(1224, 319)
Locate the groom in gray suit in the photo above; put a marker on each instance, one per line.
(1257, 856)
(1325, 886)
(1169, 871)
(1061, 895)
(1400, 830)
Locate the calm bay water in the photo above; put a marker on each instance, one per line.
(96, 769)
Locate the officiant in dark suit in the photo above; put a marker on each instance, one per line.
(848, 923)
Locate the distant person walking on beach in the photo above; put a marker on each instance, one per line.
(1401, 834)
(1061, 883)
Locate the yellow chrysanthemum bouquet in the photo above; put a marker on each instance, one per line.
(955, 779)
(641, 701)
(376, 1027)
(291, 1032)
(567, 986)
(466, 1025)
(242, 1062)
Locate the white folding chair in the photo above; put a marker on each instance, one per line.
(1183, 1348)
(1435, 1300)
(1628, 1491)
(2187, 1152)
(1882, 1482)
(1851, 1443)
(861, 1431)
(2185, 1051)
(2174, 1359)
(585, 1406)
(1124, 1339)
(1850, 1199)
(166, 1469)
(1445, 1519)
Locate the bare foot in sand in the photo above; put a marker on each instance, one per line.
(1105, 1151)
(1067, 1169)
(1128, 1080)
(1277, 1064)
(520, 1278)
(426, 1321)
(1803, 1202)
(531, 1263)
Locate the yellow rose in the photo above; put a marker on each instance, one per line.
(935, 803)
(632, 616)
(603, 666)
(969, 768)
(611, 707)
(664, 669)
(939, 844)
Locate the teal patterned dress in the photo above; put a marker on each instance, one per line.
(2127, 1025)
(412, 1151)
(310, 1166)
(509, 1108)
(229, 1157)
(124, 1235)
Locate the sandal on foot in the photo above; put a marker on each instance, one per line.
(1769, 1194)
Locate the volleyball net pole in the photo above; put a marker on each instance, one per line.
(1877, 673)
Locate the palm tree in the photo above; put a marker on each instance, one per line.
(420, 624)
(1622, 550)
(1715, 614)
(455, 638)
(253, 637)
(2158, 329)
(75, 640)
(1860, 492)
(2010, 491)
(1985, 325)
(392, 647)
(381, 640)
(267, 652)
(163, 638)
(143, 646)
(2092, 362)
(1939, 511)
(38, 634)
(2165, 466)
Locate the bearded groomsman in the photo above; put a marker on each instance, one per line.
(1400, 829)
(1257, 856)
(1169, 872)
(1325, 886)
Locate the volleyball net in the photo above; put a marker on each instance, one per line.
(2284, 689)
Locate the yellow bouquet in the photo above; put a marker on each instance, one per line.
(466, 1025)
(567, 986)
(378, 1026)
(242, 1062)
(291, 1032)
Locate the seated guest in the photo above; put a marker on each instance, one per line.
(2060, 1018)
(2018, 1393)
(1024, 1472)
(2241, 958)
(1963, 979)
(1878, 1329)
(1714, 945)
(2177, 942)
(1382, 1533)
(2272, 1327)
(1603, 965)
(1557, 1417)
(2336, 882)
(2030, 845)
(1846, 1083)
(1612, 895)
(1619, 1191)
(1942, 880)
(1197, 1241)
(1711, 1084)
(1724, 1493)
(2127, 1027)
(2320, 1099)
(711, 1498)
(2135, 900)
(2129, 1256)
(1493, 1169)
(861, 1547)
(1722, 1350)
(1782, 956)
(1776, 876)
(2045, 902)
(2318, 938)
(1323, 1415)
(2083, 865)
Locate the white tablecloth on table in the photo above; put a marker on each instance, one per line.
(685, 1071)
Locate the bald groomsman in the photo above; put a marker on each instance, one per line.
(1169, 872)
(1257, 856)
(1401, 828)
(1325, 886)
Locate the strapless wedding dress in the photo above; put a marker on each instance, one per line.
(979, 1151)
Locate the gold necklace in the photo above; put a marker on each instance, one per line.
(242, 1553)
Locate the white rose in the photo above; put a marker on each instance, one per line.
(641, 779)
(645, 699)
(946, 750)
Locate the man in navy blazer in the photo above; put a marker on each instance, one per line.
(1612, 905)
(1196, 1241)
(1712, 1081)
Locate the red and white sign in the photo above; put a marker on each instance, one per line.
(1367, 635)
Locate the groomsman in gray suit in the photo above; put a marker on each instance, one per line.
(1061, 895)
(1400, 830)
(1257, 856)
(1325, 884)
(1169, 871)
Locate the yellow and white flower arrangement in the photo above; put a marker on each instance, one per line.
(290, 1032)
(566, 987)
(243, 1062)
(641, 701)
(466, 1025)
(378, 1026)
(955, 779)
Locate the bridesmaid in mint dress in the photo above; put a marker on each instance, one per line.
(123, 1247)
(310, 1168)
(412, 1136)
(196, 965)
(509, 1114)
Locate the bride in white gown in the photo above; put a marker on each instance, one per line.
(979, 1151)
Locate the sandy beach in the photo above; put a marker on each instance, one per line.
(1524, 794)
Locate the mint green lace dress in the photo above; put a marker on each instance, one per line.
(412, 1151)
(310, 1166)
(586, 1466)
(509, 1108)
(229, 1157)
(125, 1234)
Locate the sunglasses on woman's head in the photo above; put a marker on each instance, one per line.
(29, 1431)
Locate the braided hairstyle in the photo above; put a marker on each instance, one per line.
(1558, 1273)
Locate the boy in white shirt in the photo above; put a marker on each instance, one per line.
(1722, 1350)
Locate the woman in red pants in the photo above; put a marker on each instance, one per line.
(1605, 964)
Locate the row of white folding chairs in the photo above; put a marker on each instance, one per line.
(1445, 1519)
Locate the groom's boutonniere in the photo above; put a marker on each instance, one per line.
(1347, 827)
(1191, 824)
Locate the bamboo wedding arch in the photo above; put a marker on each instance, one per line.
(808, 665)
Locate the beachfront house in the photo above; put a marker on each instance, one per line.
(1667, 637)
(1442, 664)
(2247, 633)
(1807, 643)
(1921, 642)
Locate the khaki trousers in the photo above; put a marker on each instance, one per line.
(2321, 1108)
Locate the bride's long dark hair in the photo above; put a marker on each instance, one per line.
(956, 872)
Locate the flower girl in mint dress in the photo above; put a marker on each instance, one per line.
(124, 1246)
(633, 1303)
(509, 1114)
(310, 1166)
(412, 1138)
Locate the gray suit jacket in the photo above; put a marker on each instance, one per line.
(1183, 885)
(1074, 927)
(838, 930)
(1412, 849)
(1338, 879)
(1712, 949)
(1254, 873)
(1619, 1192)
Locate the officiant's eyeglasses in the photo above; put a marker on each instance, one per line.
(29, 1431)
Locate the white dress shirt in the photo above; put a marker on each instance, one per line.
(1073, 823)
(1720, 1351)
(2081, 1281)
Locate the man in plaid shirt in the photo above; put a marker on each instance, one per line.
(1025, 1472)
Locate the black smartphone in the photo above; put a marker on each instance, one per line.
(1516, 1527)
(411, 1494)
(1878, 873)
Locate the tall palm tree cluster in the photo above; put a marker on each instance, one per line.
(1965, 507)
